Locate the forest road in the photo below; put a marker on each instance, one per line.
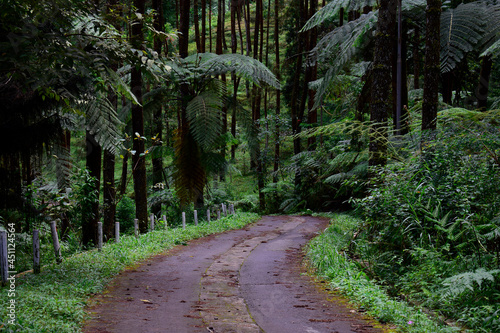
(248, 280)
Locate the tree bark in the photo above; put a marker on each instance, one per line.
(93, 164)
(484, 82)
(196, 26)
(382, 66)
(432, 65)
(203, 25)
(138, 160)
(278, 91)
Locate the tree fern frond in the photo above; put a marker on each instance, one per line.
(461, 32)
(460, 283)
(204, 116)
(102, 121)
(333, 8)
(493, 50)
(246, 67)
(339, 46)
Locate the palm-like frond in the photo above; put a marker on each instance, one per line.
(245, 67)
(333, 8)
(339, 46)
(465, 28)
(102, 121)
(204, 116)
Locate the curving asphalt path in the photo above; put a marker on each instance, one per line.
(248, 280)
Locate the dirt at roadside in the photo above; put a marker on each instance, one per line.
(248, 280)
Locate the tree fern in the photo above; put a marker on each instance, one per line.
(338, 47)
(102, 121)
(204, 116)
(333, 8)
(465, 28)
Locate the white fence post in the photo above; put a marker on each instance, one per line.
(55, 242)
(152, 222)
(195, 217)
(136, 228)
(208, 215)
(117, 232)
(36, 251)
(99, 236)
(183, 220)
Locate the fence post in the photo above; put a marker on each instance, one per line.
(208, 215)
(152, 222)
(99, 236)
(224, 210)
(3, 257)
(183, 220)
(231, 209)
(36, 251)
(165, 221)
(55, 242)
(218, 213)
(117, 232)
(136, 228)
(195, 217)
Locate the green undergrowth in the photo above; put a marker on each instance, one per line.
(327, 254)
(55, 300)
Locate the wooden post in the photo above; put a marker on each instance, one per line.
(218, 213)
(183, 220)
(136, 228)
(165, 221)
(3, 257)
(195, 217)
(36, 251)
(208, 215)
(117, 232)
(55, 242)
(231, 209)
(99, 236)
(152, 222)
(224, 210)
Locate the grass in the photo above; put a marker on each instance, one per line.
(55, 300)
(326, 253)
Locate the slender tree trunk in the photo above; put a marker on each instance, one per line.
(210, 23)
(416, 58)
(109, 192)
(234, 45)
(93, 164)
(432, 65)
(158, 113)
(138, 160)
(203, 25)
(123, 178)
(278, 91)
(312, 113)
(382, 66)
(196, 26)
(484, 82)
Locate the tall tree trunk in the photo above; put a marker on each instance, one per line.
(399, 80)
(109, 192)
(416, 58)
(158, 113)
(210, 23)
(203, 25)
(432, 65)
(234, 45)
(312, 113)
(196, 26)
(484, 82)
(93, 164)
(123, 178)
(138, 160)
(382, 66)
(278, 91)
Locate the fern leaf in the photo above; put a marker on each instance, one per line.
(102, 121)
(332, 9)
(204, 116)
(460, 283)
(340, 46)
(461, 31)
